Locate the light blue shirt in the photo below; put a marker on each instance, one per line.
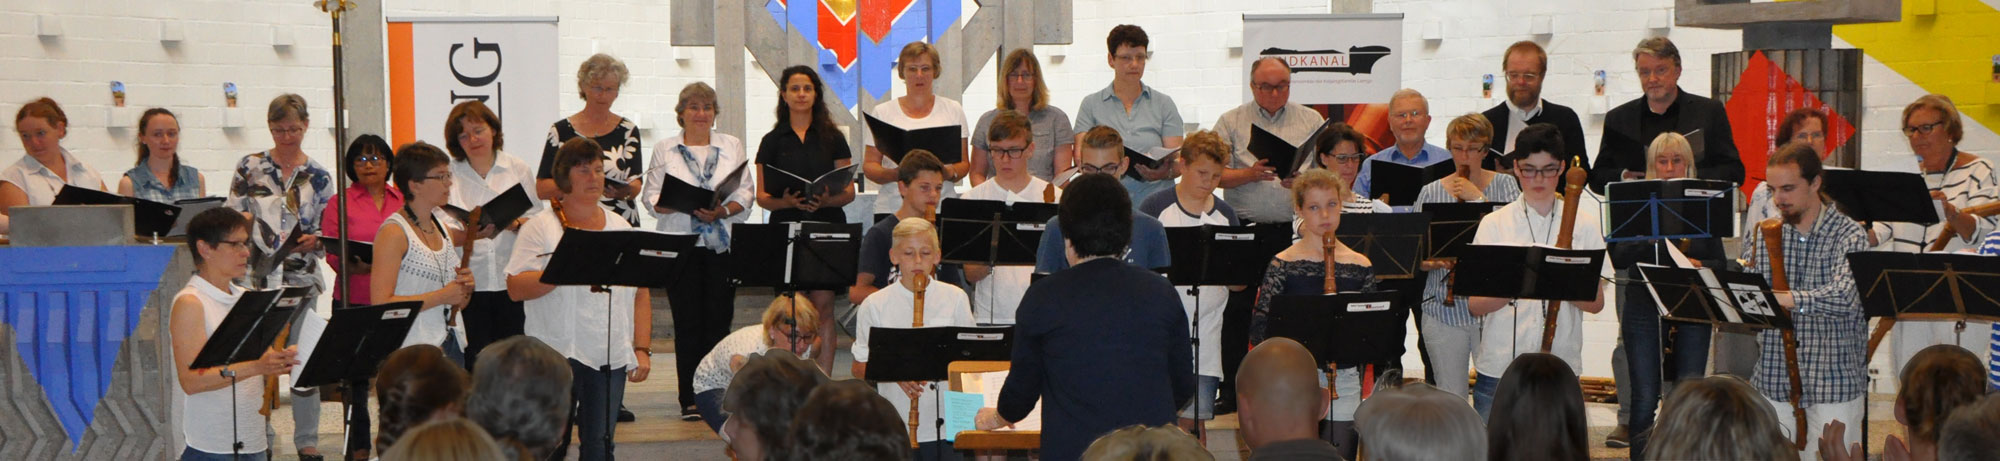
(1153, 118)
(1431, 154)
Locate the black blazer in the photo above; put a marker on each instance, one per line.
(1562, 116)
(1624, 146)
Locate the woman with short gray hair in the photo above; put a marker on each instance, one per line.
(1420, 422)
(598, 81)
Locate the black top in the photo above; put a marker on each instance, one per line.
(1303, 277)
(1296, 450)
(1103, 344)
(1631, 127)
(621, 152)
(784, 150)
(1562, 116)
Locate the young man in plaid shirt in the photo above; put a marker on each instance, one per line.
(1824, 305)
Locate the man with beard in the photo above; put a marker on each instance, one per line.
(1525, 66)
(1825, 307)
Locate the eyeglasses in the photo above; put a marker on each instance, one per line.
(445, 178)
(1524, 76)
(1136, 58)
(1661, 71)
(370, 159)
(1089, 168)
(288, 131)
(244, 243)
(1816, 135)
(1009, 153)
(1346, 158)
(1539, 172)
(477, 131)
(1407, 115)
(1021, 76)
(1271, 87)
(1922, 129)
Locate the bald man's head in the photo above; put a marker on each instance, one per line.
(1278, 387)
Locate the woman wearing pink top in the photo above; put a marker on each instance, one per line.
(370, 200)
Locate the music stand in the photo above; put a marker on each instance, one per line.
(1927, 286)
(1528, 272)
(1669, 209)
(1452, 226)
(925, 354)
(1344, 328)
(1224, 255)
(1881, 196)
(795, 256)
(1722, 299)
(621, 258)
(252, 325)
(356, 341)
(992, 232)
(1393, 242)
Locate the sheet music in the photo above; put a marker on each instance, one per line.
(1727, 299)
(988, 385)
(1680, 259)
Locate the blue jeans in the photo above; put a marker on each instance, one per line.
(1482, 394)
(709, 404)
(191, 454)
(1202, 406)
(595, 419)
(1641, 328)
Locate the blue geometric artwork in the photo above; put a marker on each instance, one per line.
(71, 309)
(858, 40)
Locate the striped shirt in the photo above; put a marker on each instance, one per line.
(1831, 331)
(1963, 186)
(1503, 188)
(1992, 248)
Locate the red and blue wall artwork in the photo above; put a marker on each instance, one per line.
(858, 39)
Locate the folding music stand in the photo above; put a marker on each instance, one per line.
(1927, 286)
(356, 342)
(1528, 272)
(1669, 209)
(1224, 255)
(621, 258)
(925, 354)
(1452, 226)
(1393, 242)
(795, 256)
(251, 326)
(1343, 328)
(1723, 299)
(992, 232)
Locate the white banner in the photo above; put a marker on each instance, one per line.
(509, 64)
(1335, 58)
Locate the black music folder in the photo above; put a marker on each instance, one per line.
(1453, 225)
(1274, 151)
(356, 342)
(779, 182)
(681, 196)
(149, 218)
(1402, 182)
(992, 232)
(1528, 272)
(262, 267)
(1393, 242)
(795, 256)
(626, 258)
(1718, 298)
(1934, 286)
(500, 212)
(1344, 328)
(251, 326)
(1668, 209)
(1310, 149)
(191, 208)
(1209, 255)
(894, 142)
(924, 354)
(361, 251)
(1149, 158)
(1881, 196)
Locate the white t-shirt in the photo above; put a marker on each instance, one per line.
(713, 372)
(944, 112)
(667, 160)
(207, 417)
(892, 307)
(995, 299)
(1517, 328)
(42, 184)
(1209, 304)
(571, 318)
(468, 190)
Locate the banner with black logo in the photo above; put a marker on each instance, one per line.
(1335, 58)
(509, 64)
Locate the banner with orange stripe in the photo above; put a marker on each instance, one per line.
(507, 63)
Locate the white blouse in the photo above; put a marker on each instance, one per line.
(575, 321)
(667, 160)
(469, 189)
(42, 184)
(944, 112)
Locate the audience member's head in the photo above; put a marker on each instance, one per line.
(1972, 433)
(1141, 443)
(791, 323)
(1538, 412)
(521, 396)
(1718, 417)
(455, 439)
(416, 385)
(762, 399)
(1420, 422)
(1938, 380)
(1278, 395)
(1096, 216)
(847, 420)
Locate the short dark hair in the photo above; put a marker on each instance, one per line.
(521, 395)
(1790, 126)
(1540, 137)
(1538, 412)
(1800, 155)
(1331, 137)
(470, 110)
(1127, 35)
(915, 162)
(212, 227)
(413, 383)
(363, 145)
(1009, 124)
(1104, 137)
(846, 420)
(413, 161)
(575, 152)
(768, 391)
(1096, 215)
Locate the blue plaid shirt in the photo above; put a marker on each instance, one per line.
(1832, 333)
(1504, 188)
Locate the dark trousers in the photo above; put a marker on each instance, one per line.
(489, 318)
(1647, 360)
(355, 404)
(1235, 338)
(703, 302)
(1410, 292)
(594, 419)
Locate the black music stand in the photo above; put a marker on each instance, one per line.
(356, 342)
(1528, 272)
(1453, 225)
(1210, 255)
(252, 325)
(1393, 242)
(992, 232)
(1670, 209)
(1881, 196)
(925, 354)
(1343, 328)
(1723, 299)
(621, 258)
(1927, 286)
(795, 256)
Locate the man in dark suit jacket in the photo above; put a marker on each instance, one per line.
(1102, 344)
(1525, 65)
(1631, 127)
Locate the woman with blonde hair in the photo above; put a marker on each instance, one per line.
(1141, 443)
(1022, 89)
(918, 108)
(1718, 417)
(455, 439)
(790, 323)
(1934, 128)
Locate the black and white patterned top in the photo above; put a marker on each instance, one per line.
(623, 163)
(1965, 185)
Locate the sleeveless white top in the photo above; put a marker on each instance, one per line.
(207, 417)
(425, 270)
